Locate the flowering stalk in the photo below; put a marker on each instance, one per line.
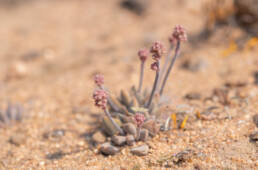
(143, 54)
(141, 77)
(157, 50)
(165, 65)
(99, 81)
(169, 68)
(154, 84)
(178, 35)
(113, 122)
(100, 98)
(139, 119)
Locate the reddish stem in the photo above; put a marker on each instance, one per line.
(154, 87)
(141, 77)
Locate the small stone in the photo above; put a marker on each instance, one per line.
(41, 163)
(183, 156)
(254, 137)
(119, 140)
(136, 6)
(57, 133)
(130, 140)
(130, 128)
(81, 143)
(256, 78)
(255, 120)
(197, 167)
(17, 139)
(144, 135)
(140, 150)
(194, 65)
(98, 137)
(108, 149)
(247, 15)
(31, 55)
(193, 96)
(17, 71)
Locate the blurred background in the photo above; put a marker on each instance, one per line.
(40, 37)
(50, 49)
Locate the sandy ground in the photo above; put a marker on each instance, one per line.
(60, 45)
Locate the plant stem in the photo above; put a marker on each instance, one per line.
(153, 88)
(113, 122)
(141, 77)
(165, 65)
(112, 105)
(170, 67)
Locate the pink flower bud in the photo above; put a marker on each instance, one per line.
(172, 40)
(139, 119)
(143, 54)
(100, 98)
(156, 57)
(99, 79)
(179, 33)
(157, 48)
(155, 66)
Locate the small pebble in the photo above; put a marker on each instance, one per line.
(119, 140)
(108, 149)
(194, 65)
(136, 6)
(254, 136)
(41, 163)
(31, 55)
(140, 150)
(16, 71)
(183, 156)
(255, 120)
(193, 96)
(17, 139)
(58, 133)
(256, 78)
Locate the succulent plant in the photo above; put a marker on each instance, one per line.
(132, 116)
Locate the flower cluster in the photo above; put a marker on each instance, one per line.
(157, 49)
(99, 80)
(155, 66)
(143, 54)
(100, 97)
(139, 119)
(179, 34)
